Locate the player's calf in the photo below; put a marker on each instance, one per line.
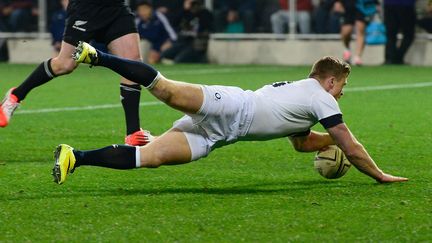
(135, 71)
(62, 66)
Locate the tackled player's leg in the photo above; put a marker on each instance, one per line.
(182, 96)
(171, 148)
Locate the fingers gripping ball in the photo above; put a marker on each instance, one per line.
(331, 163)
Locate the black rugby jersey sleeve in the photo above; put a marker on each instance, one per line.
(331, 121)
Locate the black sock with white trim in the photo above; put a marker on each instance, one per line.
(42, 74)
(135, 71)
(120, 157)
(130, 98)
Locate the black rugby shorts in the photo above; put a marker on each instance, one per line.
(100, 22)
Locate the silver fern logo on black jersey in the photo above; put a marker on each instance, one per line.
(78, 25)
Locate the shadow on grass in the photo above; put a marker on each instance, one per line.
(269, 188)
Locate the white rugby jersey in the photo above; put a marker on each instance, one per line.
(290, 108)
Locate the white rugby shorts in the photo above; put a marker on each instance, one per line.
(225, 115)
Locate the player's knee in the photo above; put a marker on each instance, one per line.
(151, 164)
(170, 98)
(69, 66)
(164, 93)
(68, 69)
(154, 159)
(132, 55)
(135, 57)
(174, 96)
(62, 66)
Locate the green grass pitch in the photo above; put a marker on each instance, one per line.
(249, 191)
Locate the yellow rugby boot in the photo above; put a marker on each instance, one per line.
(64, 163)
(85, 53)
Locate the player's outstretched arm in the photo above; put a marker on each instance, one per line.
(314, 141)
(358, 156)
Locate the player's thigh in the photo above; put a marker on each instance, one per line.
(360, 27)
(408, 25)
(171, 148)
(346, 30)
(348, 18)
(126, 46)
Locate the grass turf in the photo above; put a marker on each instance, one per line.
(249, 191)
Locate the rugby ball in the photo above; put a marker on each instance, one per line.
(331, 163)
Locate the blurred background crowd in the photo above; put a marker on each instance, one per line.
(178, 30)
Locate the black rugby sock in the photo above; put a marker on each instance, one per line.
(115, 156)
(42, 74)
(130, 98)
(135, 71)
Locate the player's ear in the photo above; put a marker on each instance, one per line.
(331, 81)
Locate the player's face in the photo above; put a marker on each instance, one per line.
(337, 90)
(144, 12)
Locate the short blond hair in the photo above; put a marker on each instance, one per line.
(330, 66)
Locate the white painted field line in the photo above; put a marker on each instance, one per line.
(389, 87)
(199, 71)
(82, 108)
(153, 103)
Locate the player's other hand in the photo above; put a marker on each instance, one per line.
(387, 178)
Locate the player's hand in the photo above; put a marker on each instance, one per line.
(387, 178)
